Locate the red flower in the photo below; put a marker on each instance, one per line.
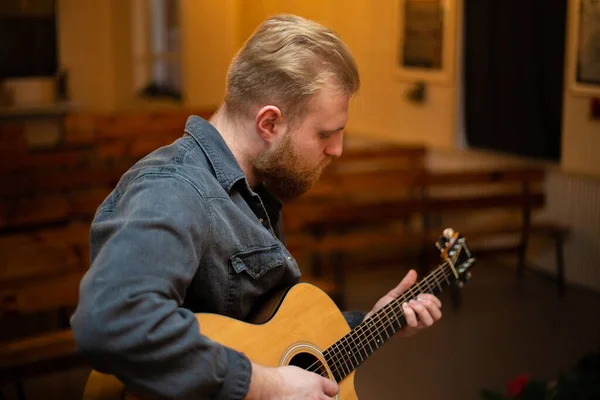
(515, 387)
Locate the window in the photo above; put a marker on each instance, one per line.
(157, 48)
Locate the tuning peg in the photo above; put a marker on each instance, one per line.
(448, 233)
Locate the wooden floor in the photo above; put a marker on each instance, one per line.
(502, 330)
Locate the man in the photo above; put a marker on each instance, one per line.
(195, 226)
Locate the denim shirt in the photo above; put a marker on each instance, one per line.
(181, 233)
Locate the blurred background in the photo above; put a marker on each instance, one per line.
(481, 115)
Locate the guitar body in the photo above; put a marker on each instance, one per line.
(300, 324)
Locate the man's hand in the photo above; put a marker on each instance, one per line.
(426, 307)
(289, 383)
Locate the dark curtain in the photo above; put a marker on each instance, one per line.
(514, 62)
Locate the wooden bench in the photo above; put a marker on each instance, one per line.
(40, 274)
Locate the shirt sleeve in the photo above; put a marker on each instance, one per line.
(146, 248)
(354, 318)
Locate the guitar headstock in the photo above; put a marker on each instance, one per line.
(454, 250)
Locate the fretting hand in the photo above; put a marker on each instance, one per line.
(426, 307)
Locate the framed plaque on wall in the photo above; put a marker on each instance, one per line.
(583, 49)
(425, 45)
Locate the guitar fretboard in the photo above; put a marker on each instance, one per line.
(352, 350)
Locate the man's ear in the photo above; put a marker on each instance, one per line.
(269, 123)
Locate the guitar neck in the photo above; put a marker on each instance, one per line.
(349, 352)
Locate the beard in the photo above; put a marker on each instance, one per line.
(286, 174)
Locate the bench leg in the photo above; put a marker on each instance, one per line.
(316, 265)
(19, 384)
(20, 389)
(560, 264)
(521, 261)
(64, 318)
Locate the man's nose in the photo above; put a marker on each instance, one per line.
(336, 147)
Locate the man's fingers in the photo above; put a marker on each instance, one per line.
(424, 317)
(432, 308)
(330, 388)
(409, 279)
(431, 298)
(409, 315)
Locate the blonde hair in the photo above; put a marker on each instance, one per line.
(286, 61)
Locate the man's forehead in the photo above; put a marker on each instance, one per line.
(329, 106)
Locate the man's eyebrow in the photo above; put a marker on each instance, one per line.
(334, 130)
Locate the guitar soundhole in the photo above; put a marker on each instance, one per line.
(308, 362)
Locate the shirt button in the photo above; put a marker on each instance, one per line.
(260, 220)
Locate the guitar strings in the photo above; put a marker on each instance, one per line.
(383, 321)
(337, 363)
(380, 325)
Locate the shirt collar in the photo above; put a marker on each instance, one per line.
(227, 169)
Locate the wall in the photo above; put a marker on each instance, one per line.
(95, 46)
(380, 110)
(209, 41)
(581, 136)
(87, 51)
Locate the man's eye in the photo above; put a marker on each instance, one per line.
(325, 135)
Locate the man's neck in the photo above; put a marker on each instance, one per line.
(238, 138)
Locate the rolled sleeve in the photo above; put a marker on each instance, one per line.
(146, 249)
(237, 380)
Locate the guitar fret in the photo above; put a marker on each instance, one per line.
(355, 353)
(374, 343)
(446, 278)
(428, 286)
(381, 328)
(342, 358)
(344, 368)
(367, 336)
(334, 363)
(437, 283)
(362, 343)
(396, 325)
(336, 375)
(389, 330)
(351, 356)
(363, 353)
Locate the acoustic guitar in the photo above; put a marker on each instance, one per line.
(303, 327)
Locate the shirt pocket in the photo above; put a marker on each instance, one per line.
(257, 261)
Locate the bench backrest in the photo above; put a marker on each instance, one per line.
(50, 195)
